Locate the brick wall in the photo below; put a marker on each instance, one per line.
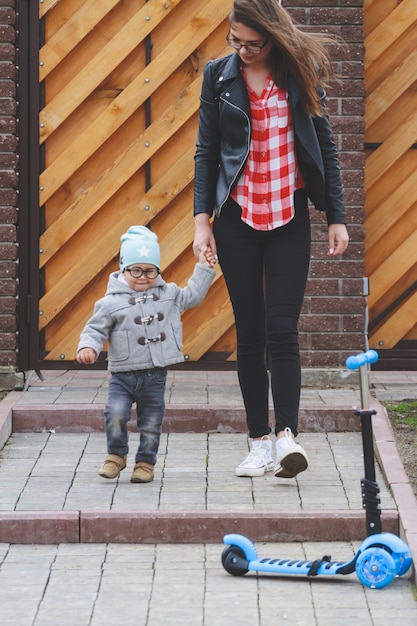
(8, 186)
(333, 320)
(332, 323)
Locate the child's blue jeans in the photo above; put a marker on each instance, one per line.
(147, 389)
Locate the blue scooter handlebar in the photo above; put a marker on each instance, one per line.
(356, 361)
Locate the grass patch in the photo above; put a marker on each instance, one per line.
(403, 414)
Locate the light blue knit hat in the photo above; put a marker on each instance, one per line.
(139, 245)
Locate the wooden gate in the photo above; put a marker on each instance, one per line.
(121, 82)
(391, 172)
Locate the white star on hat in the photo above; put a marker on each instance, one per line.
(144, 251)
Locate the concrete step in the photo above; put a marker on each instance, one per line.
(178, 418)
(193, 499)
(54, 527)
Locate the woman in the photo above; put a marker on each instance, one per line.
(264, 146)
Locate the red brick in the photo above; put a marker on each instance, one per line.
(7, 233)
(322, 287)
(7, 15)
(9, 179)
(341, 269)
(336, 306)
(324, 323)
(7, 341)
(335, 341)
(8, 143)
(8, 198)
(7, 305)
(7, 34)
(353, 141)
(7, 51)
(8, 359)
(333, 15)
(8, 269)
(7, 89)
(8, 70)
(352, 286)
(8, 323)
(353, 34)
(8, 287)
(353, 323)
(353, 178)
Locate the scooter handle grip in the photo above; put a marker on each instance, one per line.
(356, 361)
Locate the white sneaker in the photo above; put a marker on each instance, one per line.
(291, 458)
(258, 461)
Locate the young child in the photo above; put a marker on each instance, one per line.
(140, 316)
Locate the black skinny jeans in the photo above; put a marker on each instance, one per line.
(266, 274)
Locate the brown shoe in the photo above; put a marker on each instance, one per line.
(142, 473)
(112, 466)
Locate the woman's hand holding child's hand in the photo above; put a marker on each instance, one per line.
(207, 258)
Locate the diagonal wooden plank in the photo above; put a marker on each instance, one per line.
(380, 221)
(45, 6)
(389, 30)
(374, 13)
(71, 33)
(205, 332)
(65, 349)
(130, 99)
(102, 64)
(391, 89)
(85, 205)
(388, 273)
(391, 150)
(170, 185)
(179, 237)
(397, 326)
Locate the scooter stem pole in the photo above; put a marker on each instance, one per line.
(370, 489)
(364, 387)
(368, 443)
(366, 423)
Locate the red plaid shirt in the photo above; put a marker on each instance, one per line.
(265, 189)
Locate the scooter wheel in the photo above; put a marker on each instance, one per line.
(375, 568)
(234, 561)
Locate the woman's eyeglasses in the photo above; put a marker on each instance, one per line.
(251, 48)
(137, 272)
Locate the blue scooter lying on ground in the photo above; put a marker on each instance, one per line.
(381, 556)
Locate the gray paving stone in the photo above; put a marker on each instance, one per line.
(98, 584)
(60, 475)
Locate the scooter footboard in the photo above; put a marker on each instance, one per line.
(241, 556)
(319, 567)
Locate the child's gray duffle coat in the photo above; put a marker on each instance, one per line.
(144, 329)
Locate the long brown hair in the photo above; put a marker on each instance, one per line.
(302, 54)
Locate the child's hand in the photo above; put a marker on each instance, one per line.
(86, 356)
(207, 258)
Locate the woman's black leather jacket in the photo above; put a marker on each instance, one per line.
(224, 136)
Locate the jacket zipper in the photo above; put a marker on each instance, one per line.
(247, 150)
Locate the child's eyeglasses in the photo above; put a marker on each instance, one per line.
(137, 272)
